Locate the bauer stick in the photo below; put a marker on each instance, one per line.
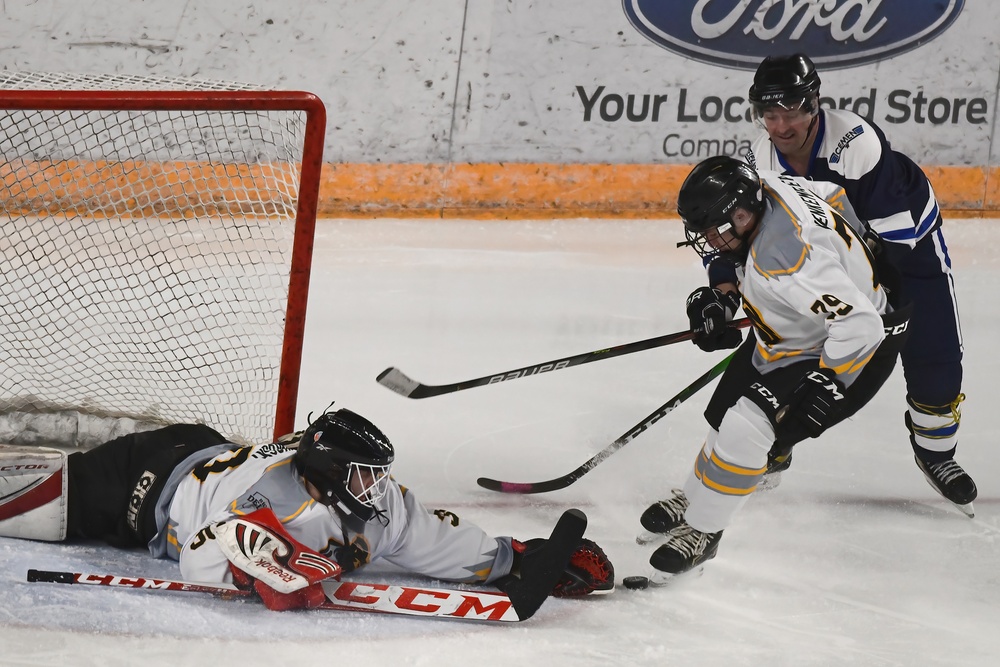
(396, 380)
(341, 596)
(565, 480)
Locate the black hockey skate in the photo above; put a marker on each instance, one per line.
(662, 517)
(951, 481)
(687, 550)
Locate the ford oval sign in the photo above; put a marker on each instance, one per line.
(834, 33)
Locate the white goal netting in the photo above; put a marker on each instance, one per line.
(146, 256)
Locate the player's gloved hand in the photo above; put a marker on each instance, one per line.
(816, 402)
(588, 572)
(310, 597)
(709, 311)
(285, 573)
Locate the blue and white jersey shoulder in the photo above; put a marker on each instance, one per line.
(886, 188)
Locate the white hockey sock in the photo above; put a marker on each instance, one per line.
(728, 468)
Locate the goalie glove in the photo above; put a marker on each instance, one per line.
(589, 571)
(310, 597)
(285, 573)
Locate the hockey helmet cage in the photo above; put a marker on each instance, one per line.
(710, 193)
(347, 459)
(785, 81)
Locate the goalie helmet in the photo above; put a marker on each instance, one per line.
(786, 81)
(347, 459)
(710, 193)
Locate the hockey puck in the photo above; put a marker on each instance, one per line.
(636, 583)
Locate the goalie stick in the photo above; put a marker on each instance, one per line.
(520, 600)
(565, 480)
(396, 380)
(341, 596)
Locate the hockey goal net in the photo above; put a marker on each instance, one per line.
(156, 245)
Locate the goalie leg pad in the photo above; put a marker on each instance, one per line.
(33, 498)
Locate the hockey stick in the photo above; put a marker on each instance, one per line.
(396, 380)
(570, 477)
(341, 596)
(520, 600)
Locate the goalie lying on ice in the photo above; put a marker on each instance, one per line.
(323, 500)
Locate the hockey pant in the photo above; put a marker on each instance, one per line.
(114, 487)
(742, 415)
(932, 356)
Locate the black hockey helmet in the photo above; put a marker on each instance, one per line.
(785, 81)
(710, 193)
(347, 459)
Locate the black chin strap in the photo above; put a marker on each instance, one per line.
(809, 132)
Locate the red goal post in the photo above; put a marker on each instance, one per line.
(146, 245)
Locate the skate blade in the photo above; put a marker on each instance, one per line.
(966, 509)
(659, 579)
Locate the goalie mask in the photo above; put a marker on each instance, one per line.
(707, 201)
(347, 459)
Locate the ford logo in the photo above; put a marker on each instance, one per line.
(834, 33)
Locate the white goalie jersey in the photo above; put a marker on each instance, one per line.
(809, 284)
(240, 480)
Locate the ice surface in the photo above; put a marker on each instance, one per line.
(853, 560)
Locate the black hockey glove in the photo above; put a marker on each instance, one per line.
(816, 403)
(710, 311)
(588, 572)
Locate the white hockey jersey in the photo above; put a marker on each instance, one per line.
(239, 480)
(809, 285)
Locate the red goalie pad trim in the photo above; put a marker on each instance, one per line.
(32, 496)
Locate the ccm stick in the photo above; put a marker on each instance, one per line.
(341, 596)
(396, 380)
(567, 479)
(519, 602)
